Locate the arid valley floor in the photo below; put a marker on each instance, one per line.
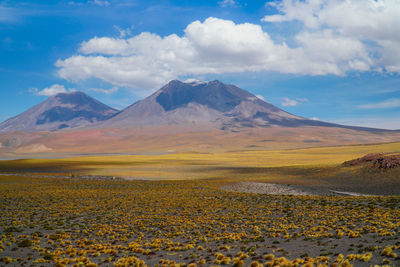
(202, 209)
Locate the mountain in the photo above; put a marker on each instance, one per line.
(190, 105)
(65, 110)
(200, 103)
(181, 116)
(213, 104)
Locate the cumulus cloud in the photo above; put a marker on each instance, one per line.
(52, 90)
(369, 26)
(337, 37)
(214, 46)
(390, 103)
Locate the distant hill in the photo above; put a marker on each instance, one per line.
(65, 110)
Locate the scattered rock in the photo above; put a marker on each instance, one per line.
(387, 162)
(379, 161)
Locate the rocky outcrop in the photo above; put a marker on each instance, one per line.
(379, 161)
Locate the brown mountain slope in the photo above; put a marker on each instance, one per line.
(65, 110)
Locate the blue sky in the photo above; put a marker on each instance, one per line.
(302, 56)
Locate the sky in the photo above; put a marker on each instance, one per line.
(331, 60)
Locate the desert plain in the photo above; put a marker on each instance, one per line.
(287, 207)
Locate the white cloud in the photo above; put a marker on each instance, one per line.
(337, 54)
(72, 3)
(100, 2)
(227, 3)
(369, 26)
(105, 91)
(214, 46)
(390, 103)
(194, 81)
(124, 32)
(260, 97)
(49, 91)
(287, 102)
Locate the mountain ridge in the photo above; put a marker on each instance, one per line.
(212, 105)
(180, 116)
(177, 102)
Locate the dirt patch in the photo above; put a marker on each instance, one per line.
(377, 161)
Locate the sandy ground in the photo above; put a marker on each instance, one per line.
(280, 189)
